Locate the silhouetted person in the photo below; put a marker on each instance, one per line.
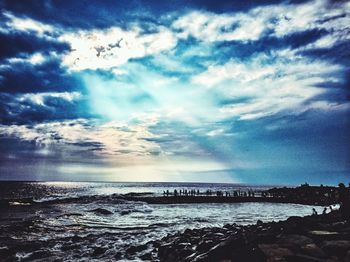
(324, 211)
(167, 192)
(314, 212)
(175, 192)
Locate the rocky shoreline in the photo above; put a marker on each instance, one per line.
(305, 239)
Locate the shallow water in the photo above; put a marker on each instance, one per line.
(72, 230)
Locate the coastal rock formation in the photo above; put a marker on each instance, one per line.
(307, 239)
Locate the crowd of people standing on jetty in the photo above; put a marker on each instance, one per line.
(193, 192)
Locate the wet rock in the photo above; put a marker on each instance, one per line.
(70, 247)
(337, 248)
(134, 249)
(259, 223)
(76, 238)
(187, 232)
(248, 253)
(229, 226)
(205, 245)
(118, 255)
(266, 238)
(303, 258)
(347, 257)
(323, 235)
(101, 211)
(147, 256)
(164, 251)
(40, 254)
(296, 240)
(313, 251)
(275, 251)
(218, 235)
(98, 251)
(6, 253)
(186, 252)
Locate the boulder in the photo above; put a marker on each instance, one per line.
(101, 211)
(337, 248)
(274, 251)
(99, 251)
(303, 258)
(347, 257)
(313, 251)
(296, 240)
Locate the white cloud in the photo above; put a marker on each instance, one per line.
(15, 23)
(108, 49)
(34, 59)
(271, 83)
(115, 139)
(39, 98)
(216, 132)
(271, 20)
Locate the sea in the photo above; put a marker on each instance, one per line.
(87, 221)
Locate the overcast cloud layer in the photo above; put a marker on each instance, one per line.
(231, 92)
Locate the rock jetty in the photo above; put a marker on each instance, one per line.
(304, 194)
(298, 239)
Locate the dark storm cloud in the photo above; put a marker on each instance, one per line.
(32, 108)
(14, 44)
(97, 14)
(48, 76)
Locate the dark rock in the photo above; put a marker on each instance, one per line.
(118, 255)
(164, 251)
(294, 240)
(266, 238)
(101, 211)
(275, 251)
(147, 256)
(188, 231)
(297, 240)
(76, 238)
(302, 258)
(313, 251)
(347, 257)
(134, 249)
(38, 255)
(228, 226)
(98, 251)
(251, 254)
(320, 235)
(337, 248)
(67, 247)
(205, 245)
(259, 223)
(186, 252)
(7, 254)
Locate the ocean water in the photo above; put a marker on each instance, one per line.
(69, 220)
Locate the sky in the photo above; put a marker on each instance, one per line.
(198, 91)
